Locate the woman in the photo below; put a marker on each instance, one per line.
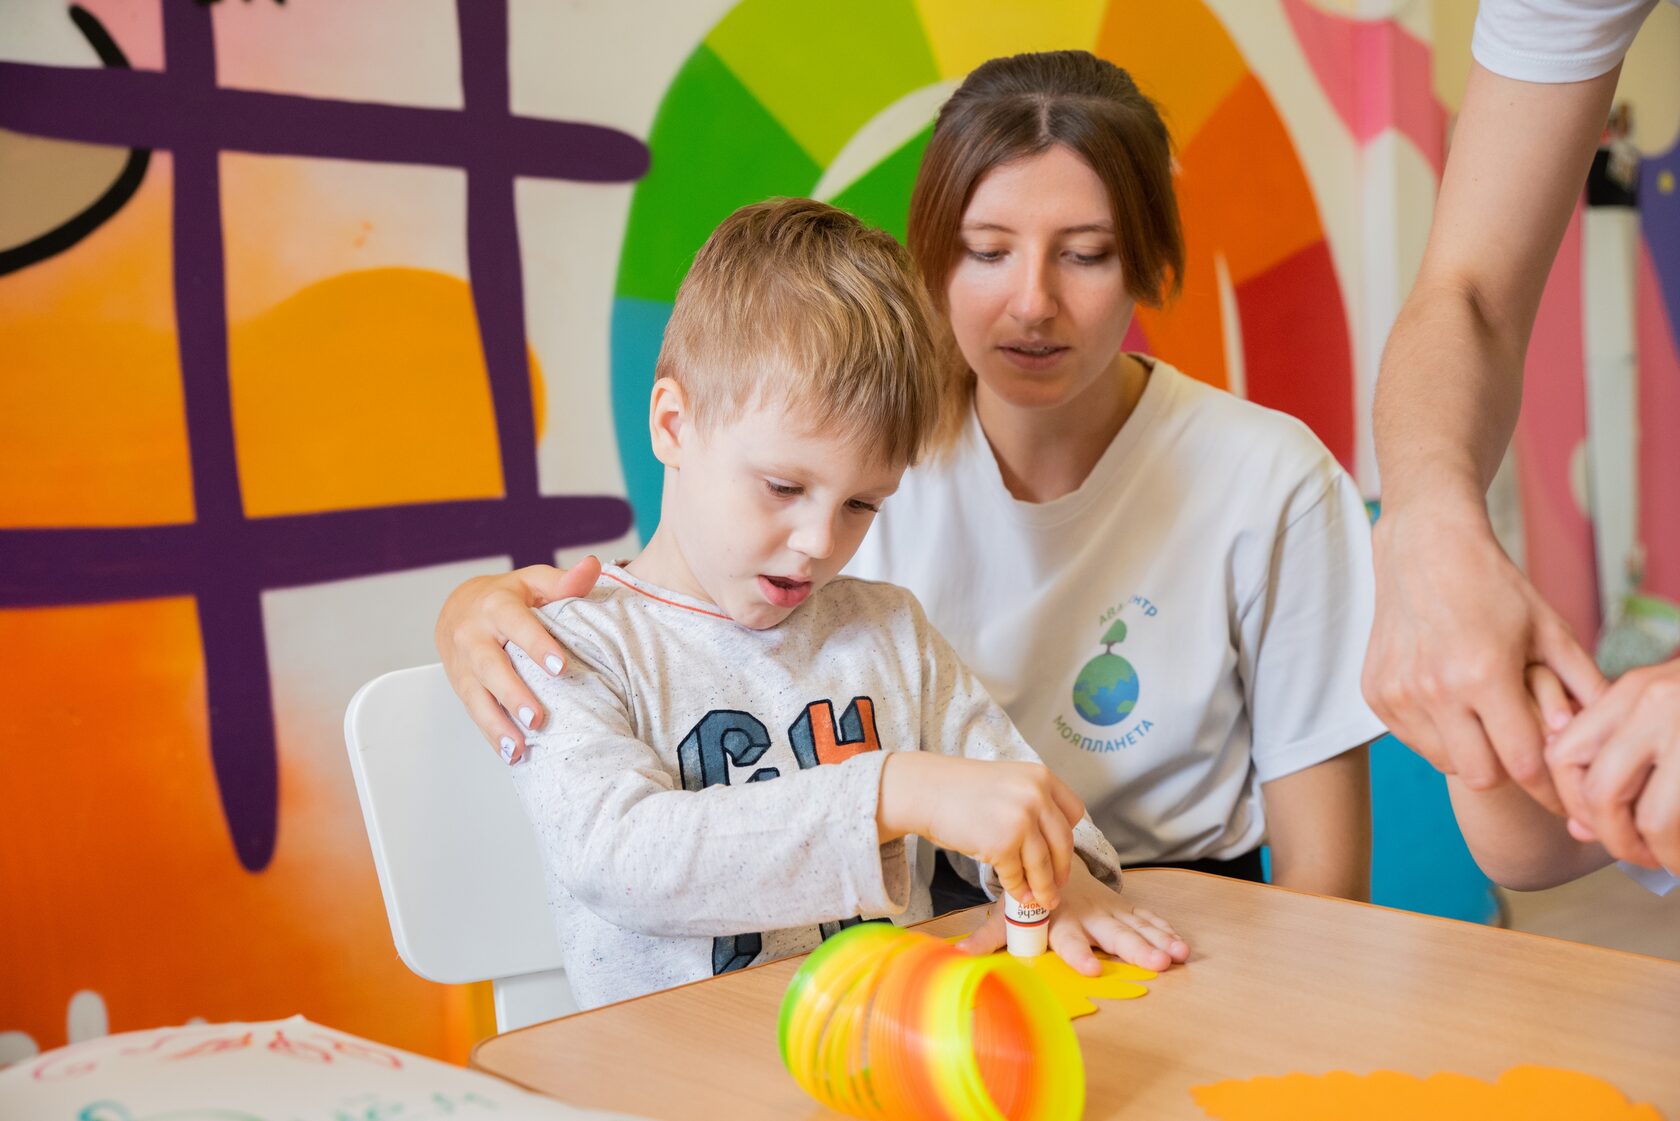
(1168, 588)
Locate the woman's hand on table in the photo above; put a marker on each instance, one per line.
(1093, 915)
(483, 616)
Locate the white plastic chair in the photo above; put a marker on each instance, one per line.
(456, 857)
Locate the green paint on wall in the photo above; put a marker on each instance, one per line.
(823, 70)
(881, 196)
(714, 149)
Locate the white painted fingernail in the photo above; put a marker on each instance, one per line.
(555, 665)
(507, 749)
(526, 715)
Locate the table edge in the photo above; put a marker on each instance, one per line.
(1151, 873)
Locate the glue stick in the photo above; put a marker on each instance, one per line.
(1026, 929)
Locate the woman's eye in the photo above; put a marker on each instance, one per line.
(1088, 258)
(783, 490)
(986, 255)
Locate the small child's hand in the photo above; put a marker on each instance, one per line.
(1017, 817)
(1093, 914)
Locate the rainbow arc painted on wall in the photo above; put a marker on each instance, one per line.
(775, 92)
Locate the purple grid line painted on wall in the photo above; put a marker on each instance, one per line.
(224, 559)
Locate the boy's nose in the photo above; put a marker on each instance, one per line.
(814, 539)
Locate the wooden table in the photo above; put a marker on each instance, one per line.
(1277, 982)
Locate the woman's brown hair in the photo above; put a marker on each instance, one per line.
(1011, 108)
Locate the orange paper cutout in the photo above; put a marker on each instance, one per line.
(1531, 1093)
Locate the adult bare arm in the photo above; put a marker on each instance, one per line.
(479, 619)
(1318, 822)
(1456, 623)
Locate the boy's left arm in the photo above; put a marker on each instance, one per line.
(1320, 827)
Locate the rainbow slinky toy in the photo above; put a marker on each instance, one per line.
(895, 1024)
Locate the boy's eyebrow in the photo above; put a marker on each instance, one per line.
(1083, 228)
(781, 471)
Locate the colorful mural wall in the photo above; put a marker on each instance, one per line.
(1550, 443)
(308, 310)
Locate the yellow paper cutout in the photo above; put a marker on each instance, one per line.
(1074, 991)
(1533, 1093)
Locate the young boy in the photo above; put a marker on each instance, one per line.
(742, 743)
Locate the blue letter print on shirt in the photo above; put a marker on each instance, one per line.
(727, 737)
(704, 756)
(724, 736)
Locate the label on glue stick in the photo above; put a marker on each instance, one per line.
(1026, 929)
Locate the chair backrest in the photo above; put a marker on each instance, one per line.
(456, 857)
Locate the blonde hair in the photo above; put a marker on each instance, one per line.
(1016, 107)
(796, 303)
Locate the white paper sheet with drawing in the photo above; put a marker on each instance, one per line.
(278, 1070)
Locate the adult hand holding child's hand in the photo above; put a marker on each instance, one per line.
(1456, 626)
(1017, 817)
(1617, 767)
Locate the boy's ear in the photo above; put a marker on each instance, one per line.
(668, 421)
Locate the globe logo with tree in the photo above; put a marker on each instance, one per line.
(1106, 690)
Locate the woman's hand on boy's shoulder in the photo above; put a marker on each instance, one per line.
(479, 620)
(1093, 916)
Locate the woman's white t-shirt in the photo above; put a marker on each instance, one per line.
(1188, 624)
(1555, 40)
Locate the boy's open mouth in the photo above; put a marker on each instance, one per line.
(784, 592)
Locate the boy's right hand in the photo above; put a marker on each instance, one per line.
(479, 619)
(1017, 817)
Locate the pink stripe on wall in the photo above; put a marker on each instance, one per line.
(1135, 341)
(1552, 426)
(1659, 444)
(1377, 74)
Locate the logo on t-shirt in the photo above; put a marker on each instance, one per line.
(1106, 689)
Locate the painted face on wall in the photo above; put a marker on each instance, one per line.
(1038, 300)
(763, 511)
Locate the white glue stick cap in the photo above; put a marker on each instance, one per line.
(1026, 929)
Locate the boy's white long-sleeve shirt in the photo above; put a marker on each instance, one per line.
(704, 794)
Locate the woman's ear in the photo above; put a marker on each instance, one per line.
(668, 421)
